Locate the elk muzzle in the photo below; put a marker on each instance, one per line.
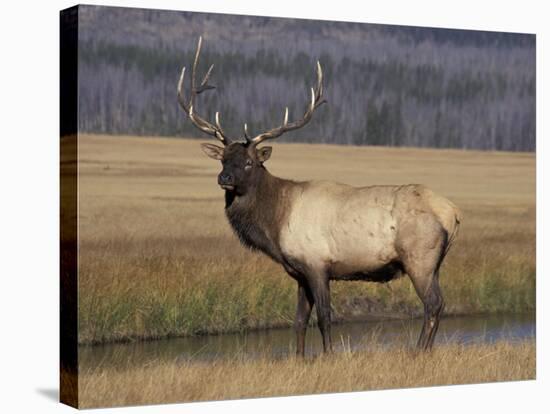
(226, 181)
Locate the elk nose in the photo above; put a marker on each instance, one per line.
(225, 179)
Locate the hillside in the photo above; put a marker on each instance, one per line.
(386, 85)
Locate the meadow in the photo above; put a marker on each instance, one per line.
(157, 257)
(237, 377)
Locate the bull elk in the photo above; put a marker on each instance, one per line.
(321, 231)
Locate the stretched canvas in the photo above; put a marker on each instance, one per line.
(308, 207)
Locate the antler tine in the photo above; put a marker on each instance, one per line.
(189, 107)
(181, 97)
(204, 84)
(320, 80)
(247, 137)
(219, 125)
(194, 71)
(316, 101)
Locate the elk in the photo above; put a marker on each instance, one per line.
(321, 231)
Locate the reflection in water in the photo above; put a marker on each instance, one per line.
(280, 342)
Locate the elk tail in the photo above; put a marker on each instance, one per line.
(452, 231)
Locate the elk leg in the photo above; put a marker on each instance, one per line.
(435, 311)
(433, 306)
(303, 312)
(424, 253)
(321, 294)
(421, 338)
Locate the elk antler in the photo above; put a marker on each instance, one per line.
(316, 101)
(189, 108)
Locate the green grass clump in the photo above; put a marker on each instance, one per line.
(134, 296)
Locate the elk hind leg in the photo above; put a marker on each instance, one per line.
(423, 243)
(434, 304)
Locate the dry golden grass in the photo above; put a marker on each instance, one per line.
(157, 256)
(349, 371)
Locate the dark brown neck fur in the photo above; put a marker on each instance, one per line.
(257, 216)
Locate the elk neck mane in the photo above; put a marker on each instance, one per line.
(256, 217)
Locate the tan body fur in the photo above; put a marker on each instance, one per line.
(347, 230)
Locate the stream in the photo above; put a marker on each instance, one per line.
(279, 343)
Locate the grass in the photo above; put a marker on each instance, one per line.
(157, 257)
(379, 368)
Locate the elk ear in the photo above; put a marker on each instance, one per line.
(213, 151)
(264, 153)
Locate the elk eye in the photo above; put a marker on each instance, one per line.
(248, 165)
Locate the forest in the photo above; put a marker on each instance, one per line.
(385, 85)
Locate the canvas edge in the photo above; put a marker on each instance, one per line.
(68, 178)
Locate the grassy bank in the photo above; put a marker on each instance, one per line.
(346, 371)
(157, 257)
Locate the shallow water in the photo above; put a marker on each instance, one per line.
(281, 342)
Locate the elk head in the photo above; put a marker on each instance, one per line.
(241, 161)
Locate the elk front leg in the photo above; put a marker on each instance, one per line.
(303, 312)
(321, 295)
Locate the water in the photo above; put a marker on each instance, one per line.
(281, 342)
